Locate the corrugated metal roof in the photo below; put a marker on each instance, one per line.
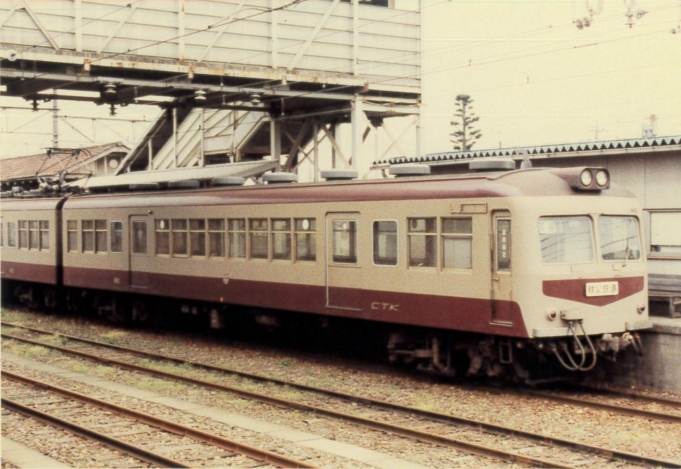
(27, 167)
(539, 151)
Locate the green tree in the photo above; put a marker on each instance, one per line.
(464, 134)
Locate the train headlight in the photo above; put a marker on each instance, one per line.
(586, 178)
(602, 178)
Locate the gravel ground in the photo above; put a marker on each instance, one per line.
(654, 439)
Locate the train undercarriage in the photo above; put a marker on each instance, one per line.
(450, 354)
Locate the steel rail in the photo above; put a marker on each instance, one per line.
(602, 406)
(629, 395)
(437, 416)
(373, 424)
(118, 445)
(167, 425)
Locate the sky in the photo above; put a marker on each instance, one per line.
(535, 78)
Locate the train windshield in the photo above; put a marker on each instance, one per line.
(566, 240)
(619, 238)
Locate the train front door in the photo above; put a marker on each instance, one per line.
(343, 270)
(502, 290)
(139, 252)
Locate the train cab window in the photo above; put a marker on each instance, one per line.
(257, 230)
(566, 240)
(197, 237)
(457, 243)
(72, 235)
(179, 237)
(237, 237)
(162, 231)
(619, 238)
(306, 239)
(139, 236)
(344, 241)
(216, 237)
(422, 242)
(281, 239)
(385, 243)
(116, 236)
(11, 234)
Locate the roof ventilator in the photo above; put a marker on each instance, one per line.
(492, 164)
(228, 181)
(339, 174)
(279, 178)
(406, 170)
(146, 186)
(184, 184)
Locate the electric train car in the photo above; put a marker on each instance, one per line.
(484, 273)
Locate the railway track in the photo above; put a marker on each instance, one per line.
(442, 429)
(112, 425)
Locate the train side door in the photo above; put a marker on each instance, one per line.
(140, 245)
(502, 290)
(343, 270)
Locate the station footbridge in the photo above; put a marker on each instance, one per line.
(239, 80)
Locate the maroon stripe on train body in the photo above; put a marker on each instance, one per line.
(575, 290)
(97, 279)
(38, 273)
(451, 313)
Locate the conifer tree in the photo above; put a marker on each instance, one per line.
(464, 134)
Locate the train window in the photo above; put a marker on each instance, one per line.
(116, 236)
(197, 237)
(23, 234)
(2, 233)
(345, 241)
(457, 243)
(87, 228)
(237, 238)
(422, 242)
(619, 238)
(257, 229)
(72, 235)
(162, 230)
(306, 239)
(11, 234)
(139, 236)
(216, 237)
(33, 235)
(566, 240)
(100, 236)
(281, 239)
(385, 242)
(44, 235)
(179, 236)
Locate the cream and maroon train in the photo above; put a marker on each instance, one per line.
(514, 270)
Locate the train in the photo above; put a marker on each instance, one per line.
(489, 273)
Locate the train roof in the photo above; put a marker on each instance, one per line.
(534, 182)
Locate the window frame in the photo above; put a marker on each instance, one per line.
(395, 234)
(306, 234)
(443, 236)
(239, 232)
(432, 236)
(353, 257)
(12, 234)
(210, 235)
(161, 231)
(116, 234)
(275, 234)
(260, 233)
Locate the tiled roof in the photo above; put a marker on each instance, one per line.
(538, 152)
(23, 167)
